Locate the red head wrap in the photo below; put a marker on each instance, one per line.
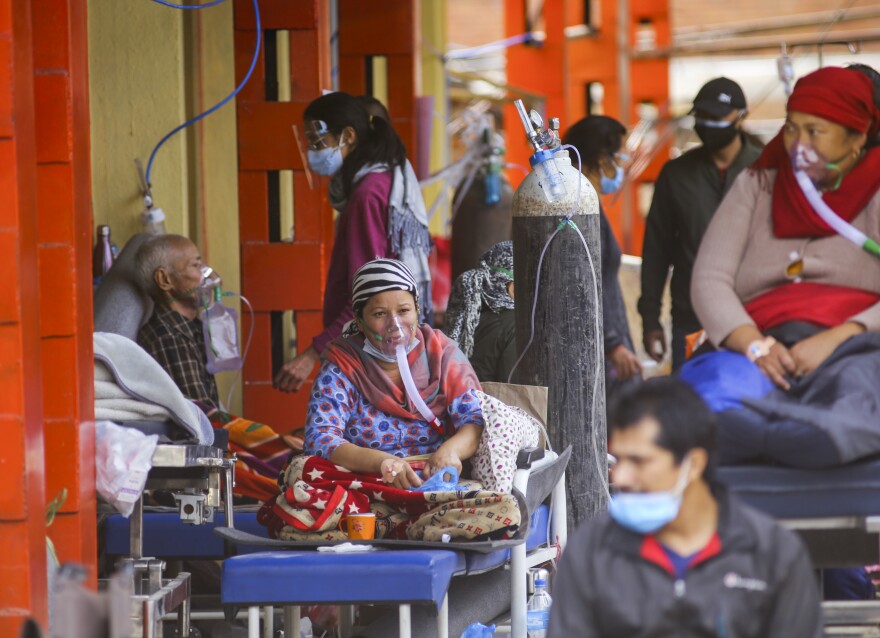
(845, 97)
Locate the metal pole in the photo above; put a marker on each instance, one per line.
(625, 84)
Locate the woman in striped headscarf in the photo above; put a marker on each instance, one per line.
(360, 416)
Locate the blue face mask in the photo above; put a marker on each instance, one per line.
(610, 185)
(326, 161)
(647, 512)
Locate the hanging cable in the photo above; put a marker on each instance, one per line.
(165, 3)
(224, 100)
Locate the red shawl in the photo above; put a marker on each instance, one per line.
(439, 369)
(843, 96)
(821, 304)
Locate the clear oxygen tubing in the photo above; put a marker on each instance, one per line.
(838, 225)
(413, 392)
(247, 346)
(599, 354)
(222, 102)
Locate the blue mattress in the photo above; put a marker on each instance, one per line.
(850, 490)
(166, 536)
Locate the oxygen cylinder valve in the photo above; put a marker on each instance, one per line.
(545, 143)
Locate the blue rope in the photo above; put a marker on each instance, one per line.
(221, 102)
(214, 3)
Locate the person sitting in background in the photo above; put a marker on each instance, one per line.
(598, 139)
(480, 314)
(170, 271)
(774, 282)
(676, 554)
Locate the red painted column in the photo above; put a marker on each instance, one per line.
(63, 211)
(46, 369)
(400, 43)
(280, 275)
(22, 499)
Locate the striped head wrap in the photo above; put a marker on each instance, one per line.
(381, 275)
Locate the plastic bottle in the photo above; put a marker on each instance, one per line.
(152, 218)
(538, 610)
(102, 255)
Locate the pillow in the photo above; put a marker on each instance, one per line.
(507, 430)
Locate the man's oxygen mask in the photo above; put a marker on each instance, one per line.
(219, 325)
(209, 289)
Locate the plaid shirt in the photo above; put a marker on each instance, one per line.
(178, 344)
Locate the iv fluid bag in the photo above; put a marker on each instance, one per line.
(220, 327)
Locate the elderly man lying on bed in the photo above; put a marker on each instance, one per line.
(388, 390)
(170, 271)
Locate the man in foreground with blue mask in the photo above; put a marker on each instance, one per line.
(686, 194)
(677, 555)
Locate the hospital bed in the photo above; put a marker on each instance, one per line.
(836, 512)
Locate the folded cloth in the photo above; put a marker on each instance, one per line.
(141, 378)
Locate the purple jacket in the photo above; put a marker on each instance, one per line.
(361, 236)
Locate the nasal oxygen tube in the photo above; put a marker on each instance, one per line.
(838, 225)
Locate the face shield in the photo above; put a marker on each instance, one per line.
(302, 147)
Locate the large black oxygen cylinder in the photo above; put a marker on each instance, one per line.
(478, 226)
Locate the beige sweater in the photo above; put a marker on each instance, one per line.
(740, 259)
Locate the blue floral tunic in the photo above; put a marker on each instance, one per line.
(339, 414)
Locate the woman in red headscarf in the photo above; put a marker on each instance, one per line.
(774, 282)
(768, 258)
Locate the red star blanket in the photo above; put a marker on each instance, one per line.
(316, 495)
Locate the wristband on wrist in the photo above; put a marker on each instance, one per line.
(759, 348)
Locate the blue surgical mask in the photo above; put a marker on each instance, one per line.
(325, 161)
(647, 512)
(610, 185)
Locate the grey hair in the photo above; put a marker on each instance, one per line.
(155, 253)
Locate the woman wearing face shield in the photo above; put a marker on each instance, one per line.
(774, 282)
(381, 211)
(361, 414)
(599, 140)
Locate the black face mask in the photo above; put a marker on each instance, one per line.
(714, 139)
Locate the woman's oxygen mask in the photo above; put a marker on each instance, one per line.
(219, 325)
(810, 170)
(814, 165)
(396, 340)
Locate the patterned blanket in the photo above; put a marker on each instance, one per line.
(316, 495)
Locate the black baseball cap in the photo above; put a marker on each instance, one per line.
(719, 97)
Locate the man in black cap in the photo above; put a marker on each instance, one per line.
(686, 194)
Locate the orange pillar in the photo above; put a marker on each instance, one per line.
(61, 103)
(22, 526)
(539, 69)
(359, 40)
(563, 69)
(46, 395)
(280, 275)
